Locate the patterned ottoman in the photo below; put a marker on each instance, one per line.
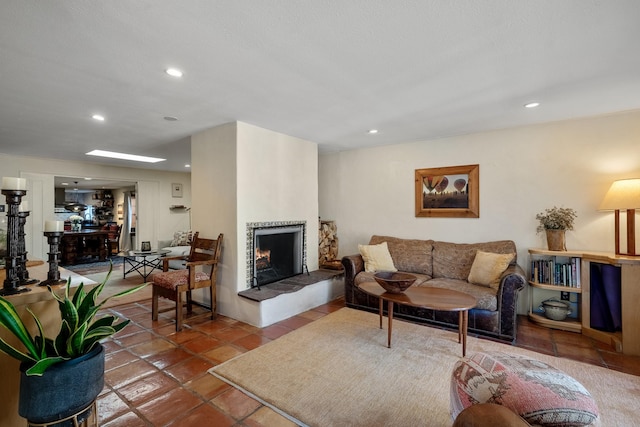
(539, 393)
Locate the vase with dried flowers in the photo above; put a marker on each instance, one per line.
(554, 222)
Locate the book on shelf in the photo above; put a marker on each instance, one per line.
(552, 272)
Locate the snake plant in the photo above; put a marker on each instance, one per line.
(79, 330)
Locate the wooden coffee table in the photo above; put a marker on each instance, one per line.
(425, 297)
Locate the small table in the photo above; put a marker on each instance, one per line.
(425, 297)
(145, 266)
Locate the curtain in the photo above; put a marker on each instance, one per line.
(125, 236)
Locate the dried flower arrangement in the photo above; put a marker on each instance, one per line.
(556, 219)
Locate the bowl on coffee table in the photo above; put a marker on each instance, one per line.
(394, 282)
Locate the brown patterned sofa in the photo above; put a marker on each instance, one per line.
(445, 265)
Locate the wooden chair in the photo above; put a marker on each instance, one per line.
(113, 239)
(200, 272)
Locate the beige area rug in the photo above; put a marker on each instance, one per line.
(337, 371)
(118, 284)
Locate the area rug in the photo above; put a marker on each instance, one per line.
(94, 267)
(337, 371)
(117, 284)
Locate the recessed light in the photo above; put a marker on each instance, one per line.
(124, 156)
(98, 117)
(64, 183)
(531, 105)
(187, 166)
(372, 131)
(173, 72)
(88, 179)
(170, 118)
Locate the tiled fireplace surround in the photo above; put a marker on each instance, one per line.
(252, 226)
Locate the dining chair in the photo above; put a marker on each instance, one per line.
(200, 272)
(113, 238)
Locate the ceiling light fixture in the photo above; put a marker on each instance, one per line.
(372, 131)
(173, 72)
(124, 156)
(98, 117)
(531, 105)
(76, 205)
(187, 166)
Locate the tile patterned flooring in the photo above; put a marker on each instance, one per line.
(157, 377)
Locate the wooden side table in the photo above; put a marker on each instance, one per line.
(425, 297)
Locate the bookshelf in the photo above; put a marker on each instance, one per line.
(556, 275)
(625, 340)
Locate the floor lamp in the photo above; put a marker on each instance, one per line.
(624, 194)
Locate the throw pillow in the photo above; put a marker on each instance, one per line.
(487, 268)
(376, 258)
(181, 238)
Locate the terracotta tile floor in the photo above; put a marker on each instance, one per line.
(157, 377)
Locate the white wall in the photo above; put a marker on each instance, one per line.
(243, 173)
(154, 212)
(213, 166)
(522, 172)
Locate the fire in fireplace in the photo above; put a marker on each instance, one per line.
(277, 253)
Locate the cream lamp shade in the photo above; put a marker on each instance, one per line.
(623, 194)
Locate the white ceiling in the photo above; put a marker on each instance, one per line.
(325, 71)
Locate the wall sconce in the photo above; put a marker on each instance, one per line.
(624, 194)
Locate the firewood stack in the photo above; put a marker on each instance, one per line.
(328, 245)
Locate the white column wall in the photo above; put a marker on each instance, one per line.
(242, 173)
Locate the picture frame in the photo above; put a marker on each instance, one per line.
(146, 246)
(176, 189)
(448, 192)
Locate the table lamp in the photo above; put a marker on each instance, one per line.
(624, 194)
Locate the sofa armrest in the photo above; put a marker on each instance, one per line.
(164, 243)
(512, 282)
(516, 274)
(353, 264)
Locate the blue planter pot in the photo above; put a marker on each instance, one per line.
(64, 389)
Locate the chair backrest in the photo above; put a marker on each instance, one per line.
(117, 237)
(113, 231)
(205, 249)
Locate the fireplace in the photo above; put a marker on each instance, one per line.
(277, 251)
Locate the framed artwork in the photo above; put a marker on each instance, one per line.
(176, 190)
(120, 208)
(146, 246)
(451, 191)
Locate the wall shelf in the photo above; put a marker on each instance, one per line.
(178, 208)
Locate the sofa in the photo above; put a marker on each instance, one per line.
(494, 284)
(180, 245)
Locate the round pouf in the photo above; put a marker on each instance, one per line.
(539, 393)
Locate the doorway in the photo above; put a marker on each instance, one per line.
(99, 202)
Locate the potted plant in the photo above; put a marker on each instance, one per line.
(555, 221)
(62, 375)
